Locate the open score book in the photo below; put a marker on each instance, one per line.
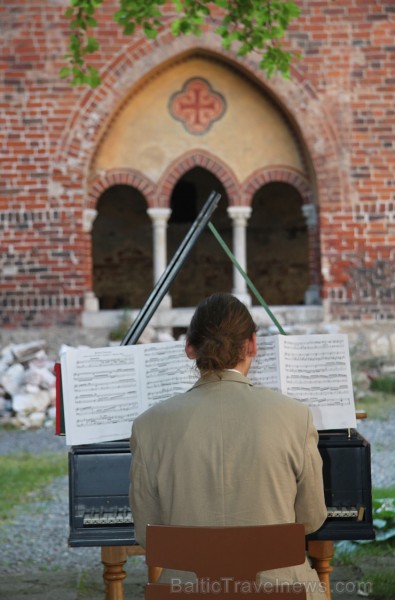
(105, 389)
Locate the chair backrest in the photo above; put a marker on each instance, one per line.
(220, 554)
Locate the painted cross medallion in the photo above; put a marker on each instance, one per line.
(197, 106)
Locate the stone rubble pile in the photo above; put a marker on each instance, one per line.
(27, 385)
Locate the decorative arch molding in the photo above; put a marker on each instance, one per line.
(140, 60)
(190, 160)
(121, 177)
(276, 173)
(135, 64)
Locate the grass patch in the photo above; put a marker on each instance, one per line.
(375, 562)
(24, 475)
(382, 584)
(388, 492)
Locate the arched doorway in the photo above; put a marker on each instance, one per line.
(277, 245)
(122, 249)
(207, 269)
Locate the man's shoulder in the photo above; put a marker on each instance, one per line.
(160, 409)
(285, 404)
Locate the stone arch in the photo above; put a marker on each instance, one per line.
(189, 160)
(276, 173)
(123, 177)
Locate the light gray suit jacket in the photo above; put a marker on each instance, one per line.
(227, 453)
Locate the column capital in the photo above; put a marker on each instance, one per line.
(239, 213)
(158, 214)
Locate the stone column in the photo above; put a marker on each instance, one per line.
(240, 216)
(159, 217)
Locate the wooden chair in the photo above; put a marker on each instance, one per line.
(226, 560)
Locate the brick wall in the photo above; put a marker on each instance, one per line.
(340, 99)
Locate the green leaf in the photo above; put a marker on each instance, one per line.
(64, 72)
(120, 16)
(78, 78)
(91, 22)
(150, 31)
(93, 77)
(178, 5)
(91, 45)
(129, 29)
(255, 26)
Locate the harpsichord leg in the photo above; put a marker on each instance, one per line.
(321, 553)
(113, 559)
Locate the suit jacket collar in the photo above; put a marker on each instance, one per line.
(222, 376)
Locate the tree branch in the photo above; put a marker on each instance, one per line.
(251, 25)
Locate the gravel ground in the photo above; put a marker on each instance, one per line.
(380, 434)
(37, 538)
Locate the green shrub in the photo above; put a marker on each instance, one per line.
(383, 383)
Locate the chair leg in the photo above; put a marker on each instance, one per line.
(154, 574)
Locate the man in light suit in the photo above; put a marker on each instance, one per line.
(227, 452)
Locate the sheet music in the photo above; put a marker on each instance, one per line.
(168, 371)
(314, 369)
(105, 389)
(264, 369)
(100, 393)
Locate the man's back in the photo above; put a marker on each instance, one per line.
(227, 453)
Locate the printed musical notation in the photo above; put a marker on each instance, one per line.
(314, 369)
(105, 389)
(168, 372)
(317, 372)
(264, 369)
